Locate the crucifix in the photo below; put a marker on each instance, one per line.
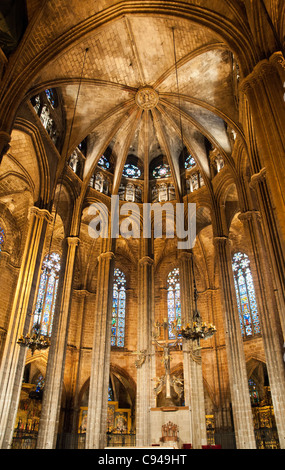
(165, 344)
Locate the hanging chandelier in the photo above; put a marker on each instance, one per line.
(198, 329)
(35, 340)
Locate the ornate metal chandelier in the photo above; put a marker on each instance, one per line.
(198, 329)
(35, 340)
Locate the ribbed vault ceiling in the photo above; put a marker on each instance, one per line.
(133, 98)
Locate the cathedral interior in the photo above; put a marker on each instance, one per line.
(124, 104)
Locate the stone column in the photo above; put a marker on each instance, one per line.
(99, 378)
(269, 321)
(56, 359)
(146, 372)
(192, 361)
(13, 361)
(264, 92)
(272, 240)
(241, 405)
(78, 356)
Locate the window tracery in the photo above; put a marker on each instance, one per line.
(161, 171)
(104, 163)
(131, 171)
(119, 309)
(173, 299)
(47, 293)
(245, 294)
(190, 162)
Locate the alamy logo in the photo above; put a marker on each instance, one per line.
(131, 220)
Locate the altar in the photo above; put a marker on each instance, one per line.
(170, 426)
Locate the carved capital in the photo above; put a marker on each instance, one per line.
(249, 215)
(146, 260)
(40, 213)
(221, 240)
(73, 241)
(278, 59)
(108, 255)
(257, 178)
(263, 68)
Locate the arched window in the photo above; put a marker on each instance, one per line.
(131, 171)
(46, 299)
(110, 392)
(161, 171)
(104, 163)
(254, 394)
(2, 238)
(119, 309)
(173, 299)
(245, 293)
(190, 162)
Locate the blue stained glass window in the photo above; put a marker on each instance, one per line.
(131, 171)
(47, 293)
(110, 392)
(104, 163)
(173, 299)
(245, 293)
(161, 171)
(254, 395)
(190, 162)
(50, 96)
(119, 310)
(2, 238)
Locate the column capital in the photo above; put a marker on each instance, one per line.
(73, 241)
(221, 240)
(40, 213)
(82, 293)
(264, 67)
(249, 215)
(257, 178)
(278, 59)
(107, 255)
(146, 260)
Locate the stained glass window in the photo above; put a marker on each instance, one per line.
(190, 162)
(131, 171)
(173, 299)
(119, 309)
(47, 292)
(161, 171)
(254, 395)
(2, 238)
(104, 163)
(245, 293)
(110, 392)
(40, 382)
(50, 96)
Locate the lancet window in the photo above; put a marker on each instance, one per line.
(119, 309)
(47, 293)
(245, 294)
(173, 299)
